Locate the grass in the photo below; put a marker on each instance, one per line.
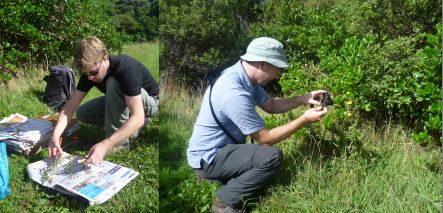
(386, 173)
(140, 195)
(148, 54)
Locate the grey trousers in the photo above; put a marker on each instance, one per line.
(242, 169)
(110, 111)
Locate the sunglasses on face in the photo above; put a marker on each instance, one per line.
(94, 72)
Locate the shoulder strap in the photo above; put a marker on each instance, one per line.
(65, 84)
(71, 82)
(215, 117)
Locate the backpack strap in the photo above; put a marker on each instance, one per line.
(215, 117)
(71, 79)
(66, 90)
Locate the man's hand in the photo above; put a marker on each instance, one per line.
(97, 153)
(310, 97)
(54, 147)
(314, 114)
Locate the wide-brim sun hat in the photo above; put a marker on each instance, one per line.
(268, 50)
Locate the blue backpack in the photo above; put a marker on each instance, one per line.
(4, 172)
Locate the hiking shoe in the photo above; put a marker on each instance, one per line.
(135, 135)
(125, 145)
(202, 179)
(146, 122)
(219, 207)
(121, 147)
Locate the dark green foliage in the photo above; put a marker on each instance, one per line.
(45, 32)
(383, 72)
(137, 18)
(394, 18)
(199, 36)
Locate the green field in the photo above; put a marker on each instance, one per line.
(147, 53)
(381, 171)
(24, 95)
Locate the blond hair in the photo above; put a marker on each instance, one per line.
(89, 50)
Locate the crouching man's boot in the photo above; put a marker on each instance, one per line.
(219, 207)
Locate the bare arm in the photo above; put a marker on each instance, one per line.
(281, 105)
(134, 122)
(64, 117)
(277, 134)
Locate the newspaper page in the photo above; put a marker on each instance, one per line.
(95, 183)
(71, 127)
(23, 134)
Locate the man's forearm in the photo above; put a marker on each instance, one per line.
(67, 112)
(282, 105)
(62, 122)
(277, 134)
(60, 126)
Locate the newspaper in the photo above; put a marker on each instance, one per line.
(24, 135)
(68, 175)
(72, 126)
(27, 135)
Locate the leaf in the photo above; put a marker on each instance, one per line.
(420, 137)
(436, 107)
(367, 107)
(434, 122)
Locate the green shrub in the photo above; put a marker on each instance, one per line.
(199, 36)
(390, 80)
(45, 32)
(137, 18)
(306, 33)
(378, 74)
(393, 18)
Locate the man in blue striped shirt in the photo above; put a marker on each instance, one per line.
(222, 155)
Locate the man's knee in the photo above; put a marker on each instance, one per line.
(81, 113)
(275, 157)
(113, 87)
(111, 83)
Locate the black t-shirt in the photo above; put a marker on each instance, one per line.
(128, 72)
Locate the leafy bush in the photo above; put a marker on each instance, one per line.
(393, 18)
(137, 18)
(199, 36)
(305, 33)
(377, 74)
(45, 32)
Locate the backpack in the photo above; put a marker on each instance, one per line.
(60, 84)
(4, 172)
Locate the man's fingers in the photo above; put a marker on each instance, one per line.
(88, 161)
(60, 151)
(51, 151)
(318, 92)
(315, 102)
(90, 158)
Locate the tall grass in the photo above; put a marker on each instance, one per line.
(387, 173)
(24, 96)
(180, 191)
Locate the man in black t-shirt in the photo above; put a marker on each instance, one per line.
(131, 95)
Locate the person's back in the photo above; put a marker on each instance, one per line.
(232, 89)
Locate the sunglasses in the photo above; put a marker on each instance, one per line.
(94, 72)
